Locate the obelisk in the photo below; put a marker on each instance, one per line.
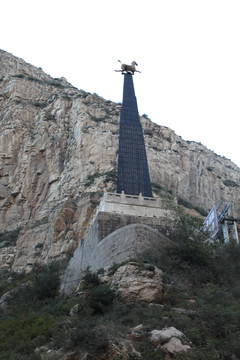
(133, 174)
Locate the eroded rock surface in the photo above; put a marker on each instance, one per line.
(135, 282)
(58, 153)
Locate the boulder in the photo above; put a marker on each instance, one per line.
(162, 336)
(136, 283)
(175, 345)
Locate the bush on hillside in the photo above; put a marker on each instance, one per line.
(99, 297)
(42, 283)
(193, 244)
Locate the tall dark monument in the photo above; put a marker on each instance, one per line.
(133, 174)
(125, 223)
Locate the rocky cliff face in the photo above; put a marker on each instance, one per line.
(58, 153)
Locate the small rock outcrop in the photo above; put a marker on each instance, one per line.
(135, 282)
(169, 338)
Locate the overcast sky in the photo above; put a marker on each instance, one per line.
(188, 53)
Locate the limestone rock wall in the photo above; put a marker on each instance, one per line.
(189, 169)
(58, 153)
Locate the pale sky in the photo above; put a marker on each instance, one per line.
(188, 52)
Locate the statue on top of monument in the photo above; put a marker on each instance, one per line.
(128, 69)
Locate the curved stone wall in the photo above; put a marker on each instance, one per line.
(131, 241)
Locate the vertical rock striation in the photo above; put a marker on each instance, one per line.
(58, 153)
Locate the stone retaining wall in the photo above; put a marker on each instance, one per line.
(131, 241)
(109, 222)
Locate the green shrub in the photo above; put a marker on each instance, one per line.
(46, 281)
(110, 176)
(148, 132)
(149, 267)
(192, 240)
(226, 266)
(230, 183)
(9, 280)
(90, 280)
(39, 104)
(91, 178)
(22, 332)
(184, 202)
(200, 210)
(157, 188)
(42, 283)
(49, 117)
(20, 76)
(100, 298)
(115, 267)
(189, 205)
(9, 238)
(89, 335)
(55, 83)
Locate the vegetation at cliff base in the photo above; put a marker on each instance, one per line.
(201, 299)
(203, 276)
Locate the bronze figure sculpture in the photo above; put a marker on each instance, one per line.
(128, 69)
